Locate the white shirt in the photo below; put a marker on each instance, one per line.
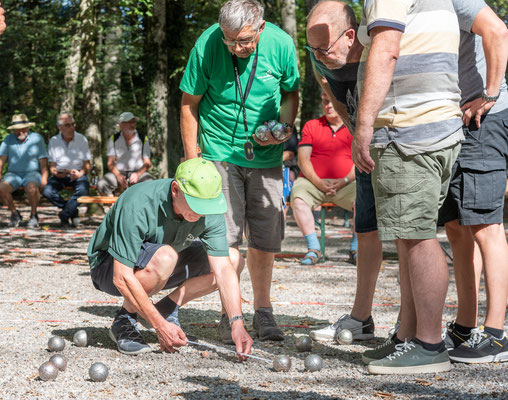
(68, 155)
(128, 158)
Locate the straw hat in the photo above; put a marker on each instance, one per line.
(20, 121)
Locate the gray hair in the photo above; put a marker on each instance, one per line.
(237, 14)
(59, 118)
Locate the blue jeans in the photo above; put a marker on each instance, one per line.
(69, 207)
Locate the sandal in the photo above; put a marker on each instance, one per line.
(311, 258)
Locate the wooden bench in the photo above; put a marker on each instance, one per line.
(97, 200)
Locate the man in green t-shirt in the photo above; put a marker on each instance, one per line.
(148, 242)
(242, 72)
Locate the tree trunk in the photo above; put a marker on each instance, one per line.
(71, 73)
(112, 70)
(288, 14)
(91, 107)
(157, 70)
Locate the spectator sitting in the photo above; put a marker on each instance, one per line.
(26, 154)
(69, 162)
(128, 157)
(324, 157)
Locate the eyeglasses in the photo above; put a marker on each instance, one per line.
(241, 43)
(67, 125)
(325, 51)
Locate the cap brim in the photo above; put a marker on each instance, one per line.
(21, 126)
(217, 205)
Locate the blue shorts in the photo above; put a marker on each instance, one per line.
(18, 179)
(192, 262)
(365, 205)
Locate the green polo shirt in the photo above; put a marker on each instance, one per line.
(144, 213)
(210, 73)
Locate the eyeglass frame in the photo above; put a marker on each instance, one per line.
(325, 51)
(241, 43)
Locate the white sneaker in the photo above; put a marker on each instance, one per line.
(360, 330)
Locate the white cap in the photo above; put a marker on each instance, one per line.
(126, 117)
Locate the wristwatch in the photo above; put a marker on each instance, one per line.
(236, 318)
(346, 180)
(486, 97)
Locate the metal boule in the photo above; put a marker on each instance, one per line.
(98, 372)
(261, 132)
(80, 338)
(56, 343)
(48, 371)
(270, 124)
(313, 363)
(303, 343)
(282, 363)
(280, 131)
(345, 336)
(60, 361)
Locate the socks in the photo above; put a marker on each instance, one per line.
(439, 347)
(497, 333)
(354, 243)
(312, 241)
(167, 308)
(462, 330)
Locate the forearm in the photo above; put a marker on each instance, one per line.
(189, 125)
(308, 170)
(146, 166)
(229, 289)
(288, 107)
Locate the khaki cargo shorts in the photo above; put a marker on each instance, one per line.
(305, 190)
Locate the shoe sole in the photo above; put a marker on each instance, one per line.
(129, 353)
(415, 369)
(501, 357)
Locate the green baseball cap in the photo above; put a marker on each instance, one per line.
(201, 184)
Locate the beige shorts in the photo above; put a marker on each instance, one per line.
(254, 198)
(305, 190)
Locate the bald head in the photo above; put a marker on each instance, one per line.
(337, 14)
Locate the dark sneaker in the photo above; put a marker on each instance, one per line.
(126, 336)
(379, 352)
(15, 219)
(451, 337)
(75, 222)
(33, 222)
(224, 329)
(264, 325)
(411, 358)
(481, 347)
(360, 330)
(64, 221)
(147, 325)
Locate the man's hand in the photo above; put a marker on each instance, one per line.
(75, 174)
(44, 182)
(475, 109)
(326, 186)
(134, 178)
(242, 339)
(271, 140)
(170, 336)
(360, 151)
(122, 181)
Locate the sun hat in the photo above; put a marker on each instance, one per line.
(126, 117)
(20, 121)
(201, 184)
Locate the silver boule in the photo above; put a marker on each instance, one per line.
(98, 372)
(282, 363)
(280, 131)
(80, 338)
(60, 361)
(303, 343)
(313, 363)
(270, 124)
(56, 343)
(345, 336)
(48, 371)
(261, 132)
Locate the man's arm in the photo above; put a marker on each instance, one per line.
(170, 335)
(43, 163)
(229, 289)
(495, 46)
(379, 69)
(3, 160)
(122, 181)
(134, 177)
(304, 153)
(76, 174)
(189, 123)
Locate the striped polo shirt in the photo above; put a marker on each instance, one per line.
(421, 110)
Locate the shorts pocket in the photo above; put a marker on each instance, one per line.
(484, 184)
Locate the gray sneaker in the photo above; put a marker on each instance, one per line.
(379, 352)
(411, 358)
(264, 325)
(147, 325)
(33, 222)
(224, 329)
(128, 339)
(75, 221)
(15, 219)
(360, 330)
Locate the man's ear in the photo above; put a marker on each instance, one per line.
(174, 189)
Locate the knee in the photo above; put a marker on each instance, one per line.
(162, 263)
(299, 204)
(483, 234)
(237, 260)
(32, 189)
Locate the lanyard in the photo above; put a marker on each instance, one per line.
(248, 147)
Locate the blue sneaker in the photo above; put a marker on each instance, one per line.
(126, 335)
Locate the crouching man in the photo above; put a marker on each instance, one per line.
(148, 242)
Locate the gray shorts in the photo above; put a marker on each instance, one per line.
(254, 198)
(108, 183)
(192, 262)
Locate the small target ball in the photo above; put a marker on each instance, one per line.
(261, 132)
(59, 361)
(48, 371)
(98, 372)
(345, 336)
(280, 131)
(56, 343)
(270, 124)
(80, 338)
(313, 363)
(282, 363)
(303, 343)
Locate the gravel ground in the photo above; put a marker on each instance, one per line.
(45, 290)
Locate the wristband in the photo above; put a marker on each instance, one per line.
(346, 180)
(236, 318)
